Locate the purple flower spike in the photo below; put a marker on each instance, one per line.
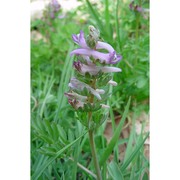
(91, 65)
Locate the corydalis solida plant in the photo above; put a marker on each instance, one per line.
(90, 85)
(93, 74)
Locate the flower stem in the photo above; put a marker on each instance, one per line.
(94, 155)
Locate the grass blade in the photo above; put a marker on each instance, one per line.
(115, 171)
(65, 77)
(117, 26)
(107, 18)
(134, 153)
(130, 141)
(47, 95)
(115, 137)
(94, 13)
(38, 173)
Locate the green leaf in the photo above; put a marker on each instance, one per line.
(142, 82)
(134, 153)
(115, 171)
(38, 173)
(130, 141)
(63, 84)
(48, 128)
(96, 16)
(115, 137)
(107, 17)
(36, 23)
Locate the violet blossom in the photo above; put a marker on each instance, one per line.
(93, 69)
(108, 58)
(91, 60)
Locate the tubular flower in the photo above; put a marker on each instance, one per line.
(93, 75)
(93, 69)
(78, 85)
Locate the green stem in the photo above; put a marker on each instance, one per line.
(94, 155)
(137, 28)
(91, 136)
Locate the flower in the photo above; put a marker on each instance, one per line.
(107, 58)
(73, 95)
(113, 83)
(93, 69)
(78, 85)
(75, 103)
(80, 40)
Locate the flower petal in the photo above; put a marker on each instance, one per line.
(105, 106)
(73, 95)
(76, 84)
(113, 83)
(75, 38)
(103, 45)
(80, 40)
(110, 69)
(97, 55)
(75, 103)
(100, 91)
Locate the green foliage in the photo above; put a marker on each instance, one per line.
(115, 171)
(115, 137)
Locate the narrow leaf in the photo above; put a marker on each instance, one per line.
(115, 137)
(134, 153)
(38, 173)
(115, 171)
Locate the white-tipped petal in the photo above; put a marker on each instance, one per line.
(103, 45)
(76, 84)
(105, 106)
(95, 93)
(100, 91)
(73, 95)
(110, 69)
(113, 83)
